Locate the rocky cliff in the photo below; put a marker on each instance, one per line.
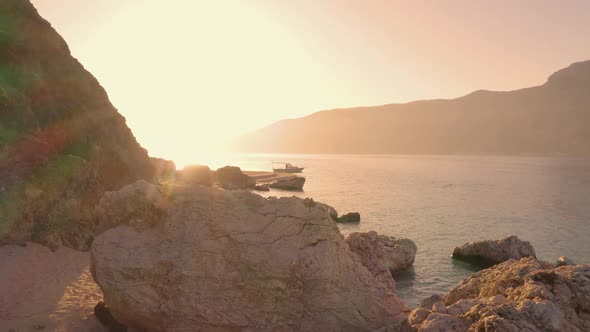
(62, 143)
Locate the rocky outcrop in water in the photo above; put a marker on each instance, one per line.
(62, 143)
(517, 295)
(349, 217)
(232, 260)
(383, 255)
(231, 177)
(295, 183)
(489, 252)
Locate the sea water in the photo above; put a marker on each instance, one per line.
(442, 202)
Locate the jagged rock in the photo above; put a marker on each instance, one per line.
(563, 261)
(62, 143)
(489, 252)
(349, 217)
(429, 301)
(517, 295)
(195, 175)
(262, 187)
(233, 260)
(382, 255)
(295, 183)
(231, 177)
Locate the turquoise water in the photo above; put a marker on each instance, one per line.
(441, 202)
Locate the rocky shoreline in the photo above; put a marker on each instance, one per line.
(91, 225)
(201, 258)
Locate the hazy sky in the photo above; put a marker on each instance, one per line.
(189, 73)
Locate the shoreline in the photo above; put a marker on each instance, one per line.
(46, 290)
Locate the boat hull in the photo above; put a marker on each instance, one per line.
(288, 170)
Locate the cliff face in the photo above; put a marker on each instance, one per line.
(62, 143)
(550, 119)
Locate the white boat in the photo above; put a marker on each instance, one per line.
(288, 168)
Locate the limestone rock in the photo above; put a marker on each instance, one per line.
(489, 252)
(382, 255)
(523, 295)
(295, 183)
(231, 177)
(220, 260)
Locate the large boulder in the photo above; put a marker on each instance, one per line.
(232, 177)
(294, 183)
(219, 260)
(490, 252)
(523, 295)
(383, 255)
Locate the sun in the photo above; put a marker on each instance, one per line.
(189, 76)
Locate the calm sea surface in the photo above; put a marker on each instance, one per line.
(441, 202)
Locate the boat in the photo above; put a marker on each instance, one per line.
(288, 168)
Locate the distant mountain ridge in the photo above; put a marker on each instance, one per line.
(550, 119)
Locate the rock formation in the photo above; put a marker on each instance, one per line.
(562, 261)
(164, 170)
(103, 314)
(231, 177)
(262, 187)
(349, 217)
(382, 255)
(295, 183)
(489, 252)
(517, 295)
(195, 175)
(232, 260)
(62, 143)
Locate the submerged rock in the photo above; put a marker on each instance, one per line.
(232, 177)
(295, 183)
(349, 217)
(517, 295)
(490, 252)
(233, 260)
(383, 255)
